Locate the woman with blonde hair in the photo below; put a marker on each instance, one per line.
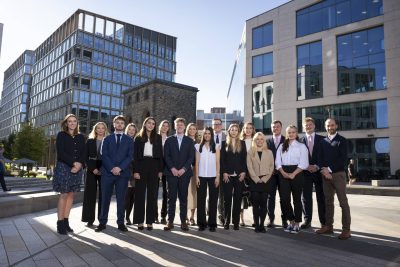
(131, 131)
(70, 145)
(93, 174)
(233, 168)
(163, 131)
(192, 132)
(260, 164)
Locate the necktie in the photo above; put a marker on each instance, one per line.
(310, 144)
(118, 140)
(217, 139)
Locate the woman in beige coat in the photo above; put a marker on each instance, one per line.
(260, 164)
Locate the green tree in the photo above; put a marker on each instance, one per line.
(8, 144)
(29, 143)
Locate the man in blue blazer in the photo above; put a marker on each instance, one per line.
(179, 156)
(116, 155)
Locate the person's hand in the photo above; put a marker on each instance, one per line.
(181, 172)
(197, 182)
(174, 172)
(216, 182)
(312, 168)
(291, 176)
(96, 172)
(136, 176)
(226, 178)
(328, 176)
(74, 170)
(116, 171)
(77, 165)
(241, 176)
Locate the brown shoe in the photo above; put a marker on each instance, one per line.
(184, 227)
(325, 230)
(169, 226)
(346, 234)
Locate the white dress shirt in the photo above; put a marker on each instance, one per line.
(148, 149)
(248, 143)
(297, 154)
(207, 162)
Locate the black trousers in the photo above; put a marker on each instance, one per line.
(233, 188)
(274, 186)
(164, 198)
(3, 182)
(259, 202)
(89, 197)
(129, 200)
(310, 180)
(146, 185)
(212, 202)
(288, 188)
(177, 188)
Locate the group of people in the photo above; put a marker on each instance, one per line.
(189, 164)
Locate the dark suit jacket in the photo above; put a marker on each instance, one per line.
(111, 157)
(271, 145)
(139, 150)
(178, 158)
(233, 162)
(334, 153)
(92, 156)
(316, 155)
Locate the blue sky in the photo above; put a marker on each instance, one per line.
(208, 33)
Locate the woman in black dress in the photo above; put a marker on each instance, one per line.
(131, 131)
(70, 145)
(93, 175)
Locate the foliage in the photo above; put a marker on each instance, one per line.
(32, 174)
(397, 173)
(29, 143)
(8, 144)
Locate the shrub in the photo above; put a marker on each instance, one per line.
(32, 174)
(21, 173)
(397, 173)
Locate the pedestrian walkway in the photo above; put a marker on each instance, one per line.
(31, 240)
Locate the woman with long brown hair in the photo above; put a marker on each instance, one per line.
(93, 174)
(163, 131)
(131, 131)
(192, 132)
(147, 168)
(70, 145)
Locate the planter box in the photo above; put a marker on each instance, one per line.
(385, 182)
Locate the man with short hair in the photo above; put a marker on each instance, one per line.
(179, 156)
(219, 136)
(116, 156)
(273, 143)
(333, 165)
(312, 176)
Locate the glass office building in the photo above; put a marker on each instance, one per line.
(330, 58)
(14, 105)
(83, 67)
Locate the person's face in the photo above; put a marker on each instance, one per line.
(309, 127)
(180, 127)
(331, 127)
(207, 135)
(72, 123)
(276, 128)
(291, 133)
(192, 131)
(164, 128)
(248, 130)
(149, 125)
(260, 141)
(131, 131)
(234, 132)
(100, 129)
(217, 126)
(119, 125)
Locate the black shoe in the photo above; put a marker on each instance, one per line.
(253, 225)
(284, 224)
(122, 228)
(100, 228)
(202, 228)
(8, 189)
(69, 229)
(305, 225)
(61, 227)
(270, 224)
(149, 228)
(163, 220)
(256, 229)
(140, 227)
(262, 229)
(89, 224)
(243, 224)
(128, 221)
(236, 227)
(212, 229)
(226, 226)
(221, 220)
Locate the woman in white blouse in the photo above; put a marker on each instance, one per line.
(291, 160)
(207, 174)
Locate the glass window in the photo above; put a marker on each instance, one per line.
(107, 74)
(86, 69)
(97, 57)
(110, 30)
(99, 27)
(97, 71)
(89, 21)
(119, 50)
(96, 85)
(262, 65)
(109, 47)
(126, 78)
(105, 101)
(99, 43)
(84, 97)
(116, 89)
(128, 53)
(127, 65)
(118, 63)
(117, 76)
(262, 107)
(88, 39)
(119, 32)
(263, 35)
(106, 87)
(108, 60)
(95, 99)
(94, 114)
(115, 102)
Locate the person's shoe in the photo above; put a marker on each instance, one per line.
(289, 228)
(236, 227)
(66, 223)
(296, 229)
(270, 224)
(128, 221)
(169, 227)
(242, 224)
(253, 225)
(184, 227)
(325, 230)
(149, 227)
(89, 224)
(157, 221)
(100, 228)
(221, 219)
(212, 229)
(122, 228)
(163, 220)
(202, 228)
(256, 229)
(305, 225)
(140, 227)
(226, 226)
(61, 227)
(262, 229)
(284, 224)
(346, 234)
(192, 222)
(8, 189)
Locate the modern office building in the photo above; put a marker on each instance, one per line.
(1, 35)
(332, 58)
(14, 103)
(84, 66)
(204, 119)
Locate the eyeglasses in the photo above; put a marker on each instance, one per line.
(217, 123)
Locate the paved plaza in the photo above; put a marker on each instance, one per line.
(31, 240)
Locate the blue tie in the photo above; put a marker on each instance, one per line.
(217, 139)
(118, 140)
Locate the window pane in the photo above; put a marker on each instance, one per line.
(343, 13)
(99, 27)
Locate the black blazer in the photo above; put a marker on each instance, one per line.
(233, 162)
(334, 153)
(70, 149)
(271, 144)
(139, 150)
(92, 156)
(178, 158)
(316, 155)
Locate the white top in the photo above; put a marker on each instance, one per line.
(148, 149)
(248, 143)
(297, 154)
(207, 162)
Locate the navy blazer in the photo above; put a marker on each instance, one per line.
(315, 158)
(178, 158)
(111, 157)
(334, 153)
(271, 145)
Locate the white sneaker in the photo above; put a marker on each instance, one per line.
(295, 229)
(289, 228)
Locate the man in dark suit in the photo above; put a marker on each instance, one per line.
(117, 155)
(219, 137)
(312, 176)
(273, 143)
(333, 165)
(179, 156)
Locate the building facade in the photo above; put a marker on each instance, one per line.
(332, 58)
(14, 103)
(162, 100)
(1, 35)
(84, 66)
(204, 119)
